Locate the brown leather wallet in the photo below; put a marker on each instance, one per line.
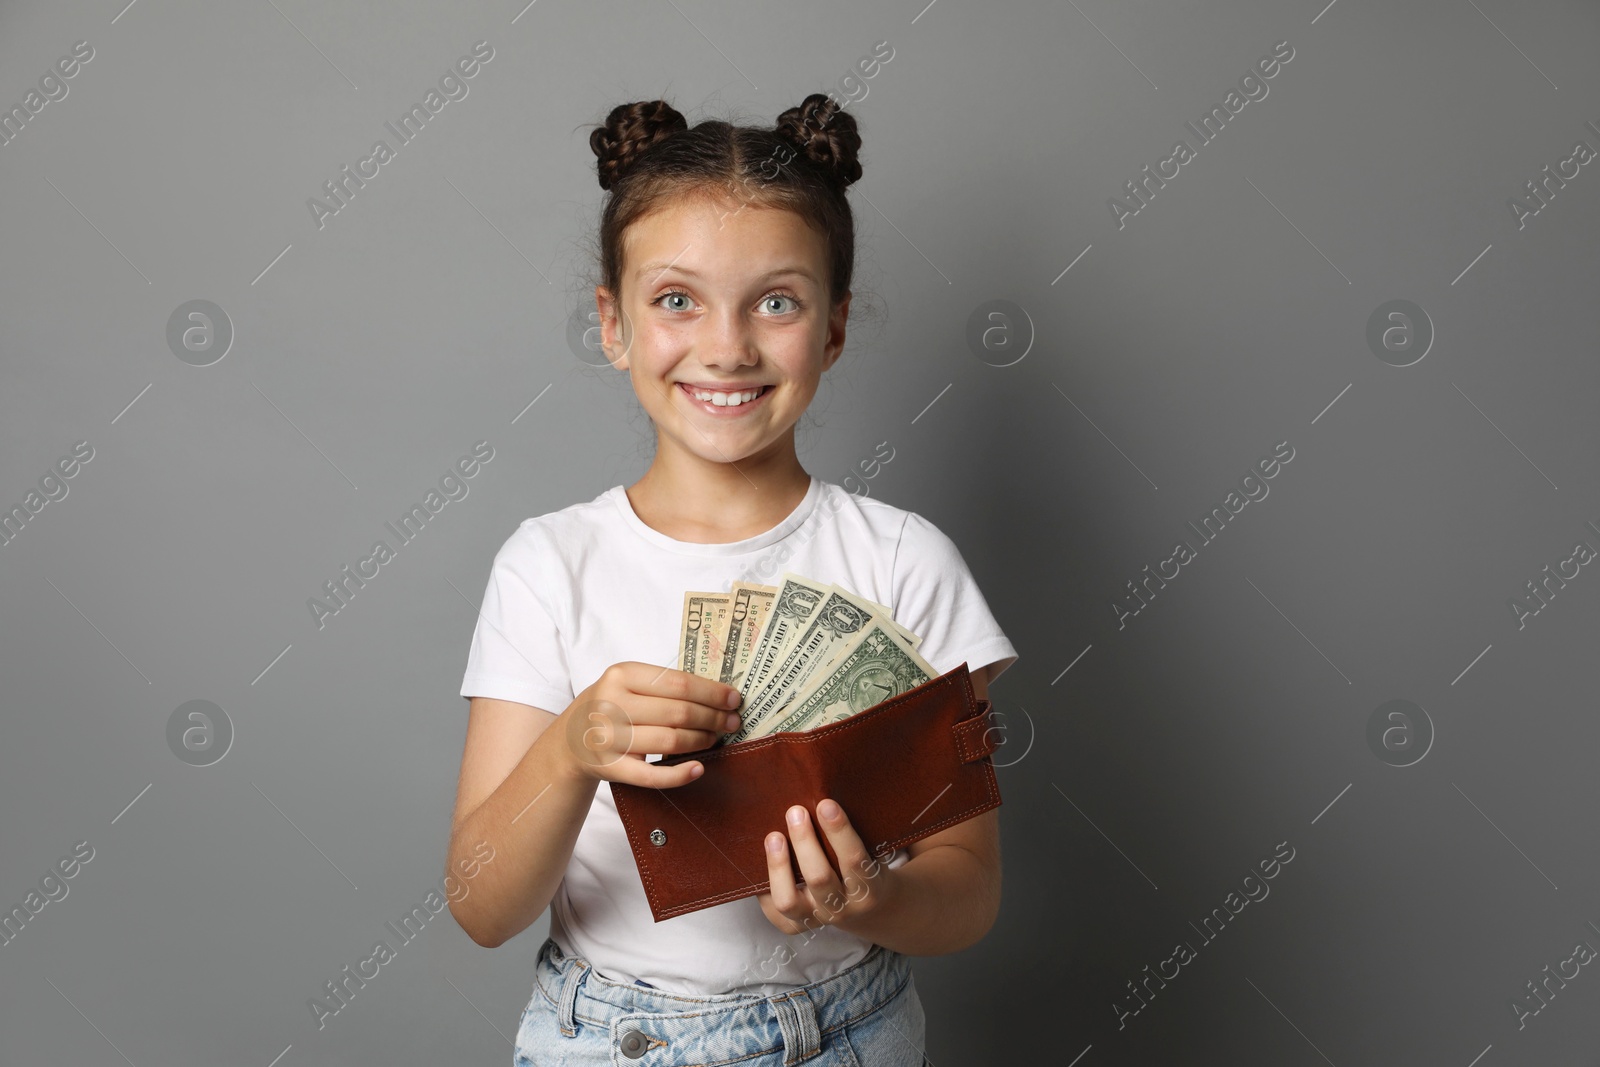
(902, 769)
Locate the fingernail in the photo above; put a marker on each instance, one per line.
(774, 842)
(828, 810)
(797, 816)
(733, 698)
(734, 722)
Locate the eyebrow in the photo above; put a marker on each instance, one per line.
(656, 268)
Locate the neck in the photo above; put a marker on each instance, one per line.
(693, 499)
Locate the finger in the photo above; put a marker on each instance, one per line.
(856, 865)
(681, 685)
(780, 875)
(847, 844)
(666, 740)
(605, 733)
(651, 775)
(814, 866)
(779, 920)
(644, 710)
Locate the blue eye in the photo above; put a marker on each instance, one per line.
(678, 293)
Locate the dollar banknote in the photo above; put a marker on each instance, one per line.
(881, 612)
(879, 665)
(702, 632)
(802, 654)
(834, 625)
(815, 652)
(798, 599)
(752, 604)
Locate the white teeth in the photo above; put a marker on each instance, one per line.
(725, 400)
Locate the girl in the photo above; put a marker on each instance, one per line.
(726, 254)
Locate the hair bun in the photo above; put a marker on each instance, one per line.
(629, 131)
(825, 134)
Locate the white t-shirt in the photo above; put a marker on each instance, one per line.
(576, 590)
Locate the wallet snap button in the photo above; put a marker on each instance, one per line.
(633, 1044)
(658, 837)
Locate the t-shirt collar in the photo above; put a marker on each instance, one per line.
(792, 522)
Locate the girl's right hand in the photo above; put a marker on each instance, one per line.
(635, 709)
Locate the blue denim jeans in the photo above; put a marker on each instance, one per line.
(868, 1015)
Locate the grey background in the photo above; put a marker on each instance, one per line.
(1141, 785)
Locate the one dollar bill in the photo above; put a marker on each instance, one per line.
(797, 601)
(880, 665)
(834, 625)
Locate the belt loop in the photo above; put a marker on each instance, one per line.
(797, 1018)
(576, 972)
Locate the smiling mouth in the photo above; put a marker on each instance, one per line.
(720, 399)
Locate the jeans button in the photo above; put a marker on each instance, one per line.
(633, 1044)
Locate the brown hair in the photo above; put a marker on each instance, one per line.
(648, 155)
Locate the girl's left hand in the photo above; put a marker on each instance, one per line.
(868, 884)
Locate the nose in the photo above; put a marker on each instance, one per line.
(727, 343)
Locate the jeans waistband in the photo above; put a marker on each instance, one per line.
(794, 1019)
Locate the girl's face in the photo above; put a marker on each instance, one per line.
(724, 325)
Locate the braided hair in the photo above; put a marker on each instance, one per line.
(647, 155)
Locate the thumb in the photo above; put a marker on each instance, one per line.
(676, 775)
(646, 775)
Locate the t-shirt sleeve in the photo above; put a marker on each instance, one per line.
(517, 652)
(936, 597)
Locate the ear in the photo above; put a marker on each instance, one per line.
(611, 322)
(836, 329)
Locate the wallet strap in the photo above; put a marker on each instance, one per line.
(973, 740)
